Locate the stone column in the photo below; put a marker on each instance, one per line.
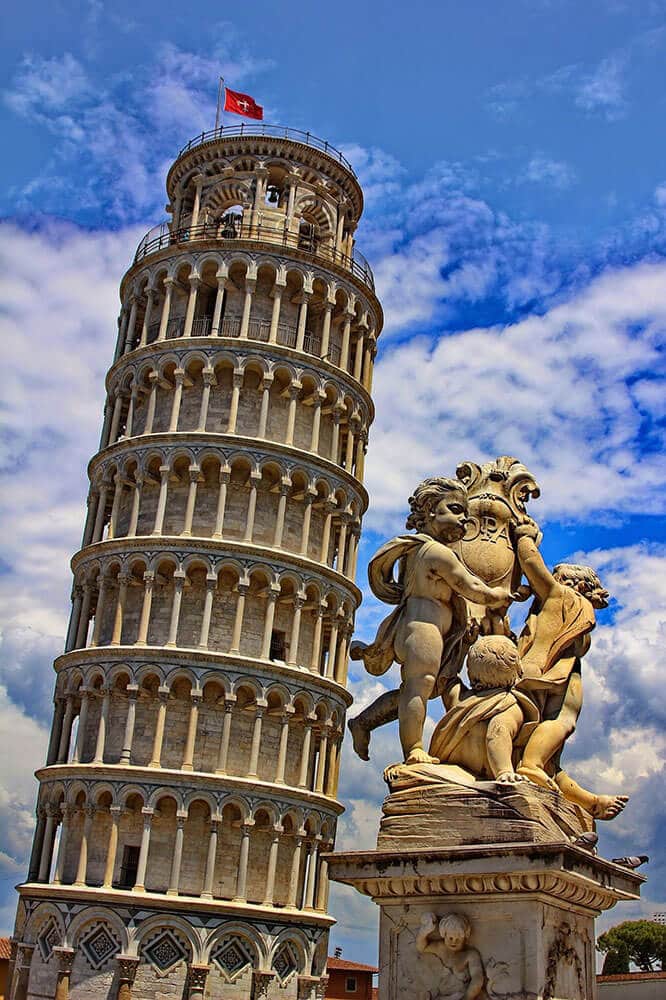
(276, 295)
(316, 639)
(194, 281)
(92, 504)
(340, 672)
(237, 381)
(332, 770)
(66, 732)
(37, 843)
(332, 648)
(285, 487)
(102, 584)
(66, 811)
(282, 750)
(115, 419)
(179, 380)
(102, 726)
(321, 760)
(131, 410)
(196, 981)
(229, 702)
(305, 753)
(131, 325)
(188, 756)
(59, 704)
(179, 579)
(140, 884)
(163, 695)
(47, 843)
(20, 973)
(112, 846)
(196, 207)
(177, 857)
(294, 390)
(241, 877)
(349, 448)
(208, 376)
(265, 404)
(326, 330)
(242, 589)
(84, 617)
(319, 398)
(322, 883)
(195, 478)
(162, 499)
(256, 741)
(124, 580)
(308, 902)
(308, 500)
(269, 617)
(154, 379)
(295, 870)
(77, 756)
(255, 478)
(128, 738)
(302, 320)
(127, 969)
(346, 334)
(335, 437)
(89, 814)
(272, 865)
(150, 301)
(342, 541)
(115, 506)
(98, 529)
(210, 861)
(250, 285)
(225, 475)
(136, 505)
(217, 309)
(144, 621)
(326, 532)
(299, 601)
(211, 586)
(166, 309)
(65, 960)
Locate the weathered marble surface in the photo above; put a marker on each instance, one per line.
(440, 805)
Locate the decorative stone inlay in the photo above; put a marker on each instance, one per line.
(285, 962)
(99, 946)
(232, 957)
(165, 951)
(47, 940)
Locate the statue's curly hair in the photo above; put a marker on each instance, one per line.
(427, 495)
(493, 662)
(455, 922)
(572, 574)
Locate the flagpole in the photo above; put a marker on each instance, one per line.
(219, 96)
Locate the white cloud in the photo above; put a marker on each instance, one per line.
(555, 390)
(603, 90)
(543, 169)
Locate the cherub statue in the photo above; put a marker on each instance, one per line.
(427, 632)
(451, 947)
(481, 723)
(552, 644)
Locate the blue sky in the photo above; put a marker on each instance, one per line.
(513, 159)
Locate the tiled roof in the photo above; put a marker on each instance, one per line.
(4, 948)
(343, 965)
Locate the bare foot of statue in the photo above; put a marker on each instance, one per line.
(509, 778)
(360, 738)
(538, 776)
(417, 755)
(609, 806)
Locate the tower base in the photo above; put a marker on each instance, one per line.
(530, 911)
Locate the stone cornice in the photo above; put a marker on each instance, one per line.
(161, 903)
(203, 660)
(233, 443)
(556, 872)
(274, 352)
(218, 550)
(191, 780)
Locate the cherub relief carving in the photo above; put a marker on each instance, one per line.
(448, 939)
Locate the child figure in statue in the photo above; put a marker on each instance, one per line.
(464, 965)
(426, 633)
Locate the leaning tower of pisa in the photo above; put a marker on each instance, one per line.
(189, 792)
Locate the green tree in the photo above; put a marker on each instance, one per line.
(642, 942)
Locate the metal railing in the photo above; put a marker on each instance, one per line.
(160, 237)
(258, 330)
(272, 132)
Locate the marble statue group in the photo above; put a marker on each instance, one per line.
(452, 583)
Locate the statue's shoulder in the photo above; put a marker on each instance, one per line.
(381, 566)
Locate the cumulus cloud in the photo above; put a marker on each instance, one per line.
(543, 169)
(556, 390)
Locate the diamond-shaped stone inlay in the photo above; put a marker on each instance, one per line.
(285, 962)
(165, 951)
(48, 939)
(99, 946)
(232, 956)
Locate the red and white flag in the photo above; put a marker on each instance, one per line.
(242, 104)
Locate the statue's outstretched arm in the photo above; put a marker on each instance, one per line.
(540, 579)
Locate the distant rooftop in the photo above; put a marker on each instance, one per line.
(343, 965)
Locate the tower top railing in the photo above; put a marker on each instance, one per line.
(270, 131)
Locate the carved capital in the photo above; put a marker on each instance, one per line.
(262, 982)
(197, 976)
(65, 959)
(127, 968)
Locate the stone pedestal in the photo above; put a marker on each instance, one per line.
(531, 909)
